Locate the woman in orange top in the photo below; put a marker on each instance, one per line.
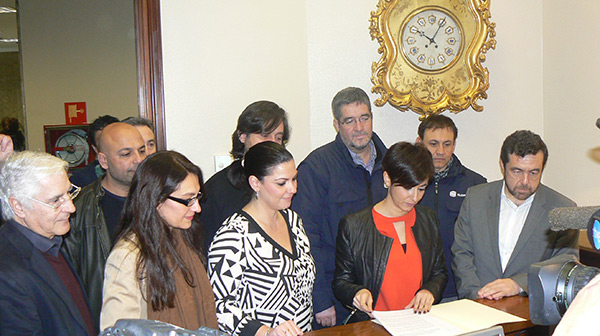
(390, 257)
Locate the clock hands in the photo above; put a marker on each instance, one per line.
(432, 39)
(422, 33)
(440, 24)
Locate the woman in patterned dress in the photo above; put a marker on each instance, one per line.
(259, 263)
(228, 191)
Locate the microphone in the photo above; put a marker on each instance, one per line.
(598, 122)
(571, 217)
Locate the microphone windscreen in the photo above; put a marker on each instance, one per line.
(598, 122)
(571, 217)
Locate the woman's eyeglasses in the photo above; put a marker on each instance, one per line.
(188, 202)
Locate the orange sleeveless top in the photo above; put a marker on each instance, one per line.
(403, 273)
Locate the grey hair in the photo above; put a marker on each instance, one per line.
(349, 95)
(139, 121)
(21, 176)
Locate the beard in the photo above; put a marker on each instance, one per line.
(358, 144)
(521, 192)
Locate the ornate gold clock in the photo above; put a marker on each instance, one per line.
(431, 54)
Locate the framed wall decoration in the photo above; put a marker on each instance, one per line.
(431, 54)
(70, 143)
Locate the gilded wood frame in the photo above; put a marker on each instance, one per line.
(454, 89)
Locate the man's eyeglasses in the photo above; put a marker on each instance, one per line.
(187, 202)
(71, 194)
(352, 121)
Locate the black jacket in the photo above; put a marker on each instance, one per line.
(87, 245)
(222, 200)
(362, 253)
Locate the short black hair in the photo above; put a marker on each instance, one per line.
(408, 164)
(434, 122)
(98, 125)
(523, 143)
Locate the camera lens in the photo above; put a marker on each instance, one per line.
(572, 277)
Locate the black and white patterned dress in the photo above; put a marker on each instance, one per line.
(255, 280)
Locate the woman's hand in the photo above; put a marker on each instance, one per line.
(287, 328)
(422, 302)
(363, 300)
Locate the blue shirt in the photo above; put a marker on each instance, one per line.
(44, 244)
(356, 158)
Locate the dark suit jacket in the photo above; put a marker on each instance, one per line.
(476, 256)
(33, 299)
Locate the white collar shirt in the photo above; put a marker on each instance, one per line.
(511, 221)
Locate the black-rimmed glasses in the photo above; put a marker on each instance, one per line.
(188, 202)
(70, 195)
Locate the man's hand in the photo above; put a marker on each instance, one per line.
(326, 318)
(363, 300)
(499, 288)
(422, 302)
(6, 147)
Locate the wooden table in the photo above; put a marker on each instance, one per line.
(516, 305)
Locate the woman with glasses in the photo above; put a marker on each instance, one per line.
(259, 263)
(390, 256)
(156, 269)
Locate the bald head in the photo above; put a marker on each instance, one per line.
(116, 134)
(121, 148)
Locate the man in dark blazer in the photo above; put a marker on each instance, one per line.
(503, 226)
(39, 292)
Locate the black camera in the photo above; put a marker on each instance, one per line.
(553, 286)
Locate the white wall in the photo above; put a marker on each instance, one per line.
(76, 51)
(341, 53)
(571, 83)
(220, 56)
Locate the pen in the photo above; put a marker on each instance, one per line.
(353, 310)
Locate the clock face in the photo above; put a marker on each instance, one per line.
(431, 39)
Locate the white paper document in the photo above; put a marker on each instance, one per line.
(446, 319)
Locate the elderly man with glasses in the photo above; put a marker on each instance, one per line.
(39, 292)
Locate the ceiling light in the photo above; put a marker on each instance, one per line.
(7, 10)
